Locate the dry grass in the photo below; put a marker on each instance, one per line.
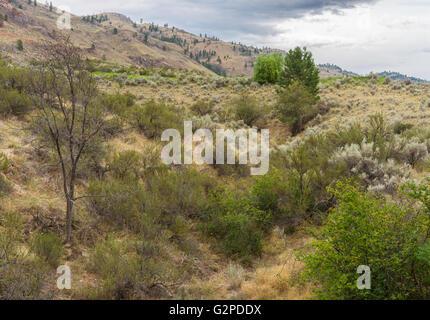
(276, 275)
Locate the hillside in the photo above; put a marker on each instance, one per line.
(86, 184)
(115, 38)
(34, 25)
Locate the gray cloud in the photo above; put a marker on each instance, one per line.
(388, 35)
(233, 19)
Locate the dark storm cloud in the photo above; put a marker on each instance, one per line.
(230, 19)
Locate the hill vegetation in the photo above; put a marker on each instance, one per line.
(82, 183)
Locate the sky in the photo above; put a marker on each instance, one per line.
(358, 35)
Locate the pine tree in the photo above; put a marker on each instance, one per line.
(300, 66)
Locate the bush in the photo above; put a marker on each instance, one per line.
(127, 165)
(364, 230)
(49, 247)
(118, 104)
(296, 106)
(268, 190)
(268, 68)
(154, 118)
(361, 161)
(401, 127)
(128, 270)
(178, 192)
(410, 150)
(246, 108)
(118, 201)
(13, 102)
(236, 223)
(4, 162)
(303, 172)
(19, 277)
(19, 45)
(202, 108)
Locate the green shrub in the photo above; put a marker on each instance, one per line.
(49, 247)
(19, 45)
(202, 108)
(178, 192)
(4, 162)
(153, 118)
(365, 230)
(304, 171)
(296, 106)
(268, 190)
(236, 223)
(112, 127)
(129, 270)
(118, 272)
(118, 103)
(13, 102)
(246, 108)
(401, 127)
(127, 165)
(118, 201)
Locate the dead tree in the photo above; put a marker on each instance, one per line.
(70, 114)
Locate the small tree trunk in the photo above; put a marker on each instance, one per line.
(69, 219)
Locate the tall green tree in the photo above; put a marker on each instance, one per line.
(300, 66)
(268, 68)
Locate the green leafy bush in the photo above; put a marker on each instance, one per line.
(118, 103)
(268, 190)
(365, 230)
(4, 162)
(236, 222)
(178, 192)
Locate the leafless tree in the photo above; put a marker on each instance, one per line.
(70, 114)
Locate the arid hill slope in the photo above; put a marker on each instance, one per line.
(115, 38)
